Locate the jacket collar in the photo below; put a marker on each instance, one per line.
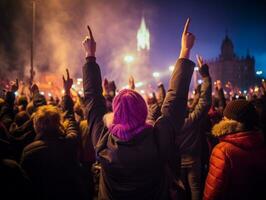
(227, 126)
(234, 132)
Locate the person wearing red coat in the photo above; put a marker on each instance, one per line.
(237, 168)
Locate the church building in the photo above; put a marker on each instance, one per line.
(230, 67)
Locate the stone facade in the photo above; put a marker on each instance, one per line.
(229, 67)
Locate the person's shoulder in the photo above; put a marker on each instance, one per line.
(223, 149)
(8, 163)
(10, 168)
(34, 146)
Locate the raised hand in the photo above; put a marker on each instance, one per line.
(199, 60)
(14, 86)
(203, 68)
(219, 84)
(105, 87)
(34, 89)
(187, 41)
(67, 83)
(89, 44)
(151, 98)
(131, 83)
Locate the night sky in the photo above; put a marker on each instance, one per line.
(243, 20)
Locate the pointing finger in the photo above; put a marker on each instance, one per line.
(67, 73)
(198, 58)
(90, 32)
(186, 26)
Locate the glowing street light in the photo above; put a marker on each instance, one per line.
(200, 81)
(128, 59)
(139, 84)
(259, 72)
(196, 68)
(156, 74)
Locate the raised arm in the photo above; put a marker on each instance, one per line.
(93, 93)
(70, 123)
(174, 106)
(204, 102)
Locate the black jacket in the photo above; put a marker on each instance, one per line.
(189, 139)
(52, 165)
(192, 134)
(14, 183)
(143, 167)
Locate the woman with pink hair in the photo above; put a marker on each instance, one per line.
(138, 161)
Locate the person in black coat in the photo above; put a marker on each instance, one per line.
(138, 161)
(14, 182)
(51, 160)
(191, 140)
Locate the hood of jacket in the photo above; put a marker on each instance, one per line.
(234, 132)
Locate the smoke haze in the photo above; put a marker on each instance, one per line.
(60, 29)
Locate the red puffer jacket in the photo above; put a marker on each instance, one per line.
(237, 166)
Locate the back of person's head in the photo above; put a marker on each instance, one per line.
(23, 102)
(242, 111)
(10, 97)
(51, 101)
(21, 118)
(130, 113)
(47, 120)
(38, 100)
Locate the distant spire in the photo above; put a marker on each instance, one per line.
(143, 36)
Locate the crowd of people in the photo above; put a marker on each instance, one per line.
(121, 145)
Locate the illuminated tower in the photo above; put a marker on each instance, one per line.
(143, 50)
(143, 37)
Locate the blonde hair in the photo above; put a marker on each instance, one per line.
(47, 119)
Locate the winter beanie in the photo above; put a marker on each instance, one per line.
(241, 111)
(130, 113)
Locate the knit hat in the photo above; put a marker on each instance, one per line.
(130, 113)
(242, 111)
